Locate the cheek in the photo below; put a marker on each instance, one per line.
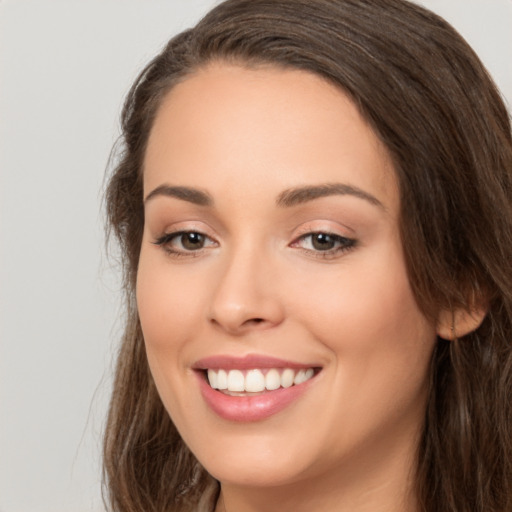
(380, 345)
(377, 307)
(168, 312)
(369, 296)
(168, 308)
(168, 302)
(367, 316)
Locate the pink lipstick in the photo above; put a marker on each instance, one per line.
(254, 387)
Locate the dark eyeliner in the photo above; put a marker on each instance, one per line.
(167, 237)
(165, 242)
(346, 245)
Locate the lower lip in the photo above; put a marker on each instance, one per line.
(252, 407)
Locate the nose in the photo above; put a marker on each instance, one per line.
(247, 296)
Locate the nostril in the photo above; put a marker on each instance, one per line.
(255, 321)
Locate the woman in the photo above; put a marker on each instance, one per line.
(314, 205)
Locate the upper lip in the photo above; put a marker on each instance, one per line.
(247, 362)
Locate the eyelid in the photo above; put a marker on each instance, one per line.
(170, 234)
(343, 242)
(324, 226)
(342, 245)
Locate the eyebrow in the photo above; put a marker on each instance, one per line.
(287, 198)
(191, 195)
(299, 195)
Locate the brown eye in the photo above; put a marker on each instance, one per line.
(323, 241)
(325, 245)
(192, 241)
(185, 242)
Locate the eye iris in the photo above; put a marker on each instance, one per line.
(192, 241)
(323, 242)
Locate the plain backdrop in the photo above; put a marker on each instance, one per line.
(65, 66)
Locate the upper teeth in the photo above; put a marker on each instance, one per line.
(256, 380)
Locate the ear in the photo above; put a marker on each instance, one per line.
(454, 324)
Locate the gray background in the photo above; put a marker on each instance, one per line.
(64, 69)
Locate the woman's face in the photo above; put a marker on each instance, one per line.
(271, 254)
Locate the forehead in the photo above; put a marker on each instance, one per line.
(263, 125)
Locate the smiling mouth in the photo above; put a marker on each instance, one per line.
(236, 382)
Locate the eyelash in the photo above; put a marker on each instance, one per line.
(342, 244)
(165, 242)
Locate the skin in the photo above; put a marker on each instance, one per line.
(258, 285)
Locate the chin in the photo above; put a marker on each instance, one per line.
(257, 472)
(256, 459)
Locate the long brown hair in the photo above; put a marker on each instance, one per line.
(430, 100)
